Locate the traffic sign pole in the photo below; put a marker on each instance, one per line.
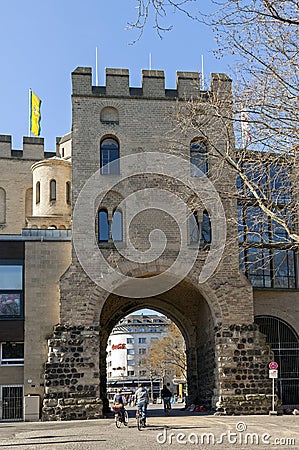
(273, 373)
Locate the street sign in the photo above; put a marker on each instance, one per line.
(273, 373)
(273, 365)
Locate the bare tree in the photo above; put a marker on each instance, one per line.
(168, 355)
(159, 11)
(263, 36)
(261, 123)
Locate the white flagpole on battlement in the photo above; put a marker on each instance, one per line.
(29, 112)
(97, 79)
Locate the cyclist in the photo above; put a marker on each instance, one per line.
(166, 395)
(141, 399)
(118, 401)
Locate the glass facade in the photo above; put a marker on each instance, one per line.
(267, 255)
(11, 289)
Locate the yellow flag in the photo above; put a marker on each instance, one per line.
(35, 114)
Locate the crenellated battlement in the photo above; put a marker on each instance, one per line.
(153, 84)
(33, 148)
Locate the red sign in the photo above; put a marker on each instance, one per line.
(118, 346)
(273, 365)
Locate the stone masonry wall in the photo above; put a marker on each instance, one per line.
(72, 374)
(242, 358)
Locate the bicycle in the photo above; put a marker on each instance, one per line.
(120, 417)
(140, 422)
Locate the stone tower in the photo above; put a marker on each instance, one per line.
(133, 130)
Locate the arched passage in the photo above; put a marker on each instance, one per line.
(188, 309)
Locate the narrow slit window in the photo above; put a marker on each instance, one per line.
(52, 190)
(37, 192)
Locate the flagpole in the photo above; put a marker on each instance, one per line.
(29, 112)
(97, 79)
(202, 75)
(150, 61)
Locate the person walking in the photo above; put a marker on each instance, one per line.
(166, 395)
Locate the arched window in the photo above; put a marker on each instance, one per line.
(2, 205)
(109, 157)
(194, 228)
(37, 192)
(206, 232)
(117, 225)
(198, 158)
(52, 190)
(68, 192)
(103, 225)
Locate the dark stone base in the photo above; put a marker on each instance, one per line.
(72, 409)
(72, 374)
(243, 386)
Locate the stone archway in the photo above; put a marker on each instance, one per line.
(226, 357)
(189, 310)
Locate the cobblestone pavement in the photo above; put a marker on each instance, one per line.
(180, 430)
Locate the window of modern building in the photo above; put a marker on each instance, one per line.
(142, 340)
(68, 192)
(2, 205)
(131, 373)
(11, 289)
(103, 225)
(37, 192)
(130, 340)
(130, 351)
(12, 353)
(266, 254)
(109, 157)
(271, 180)
(52, 190)
(198, 158)
(142, 373)
(142, 351)
(117, 225)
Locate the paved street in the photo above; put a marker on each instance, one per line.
(180, 430)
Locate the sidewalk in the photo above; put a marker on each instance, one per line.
(180, 430)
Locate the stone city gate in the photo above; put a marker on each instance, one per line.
(227, 362)
(227, 356)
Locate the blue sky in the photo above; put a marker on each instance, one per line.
(41, 43)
